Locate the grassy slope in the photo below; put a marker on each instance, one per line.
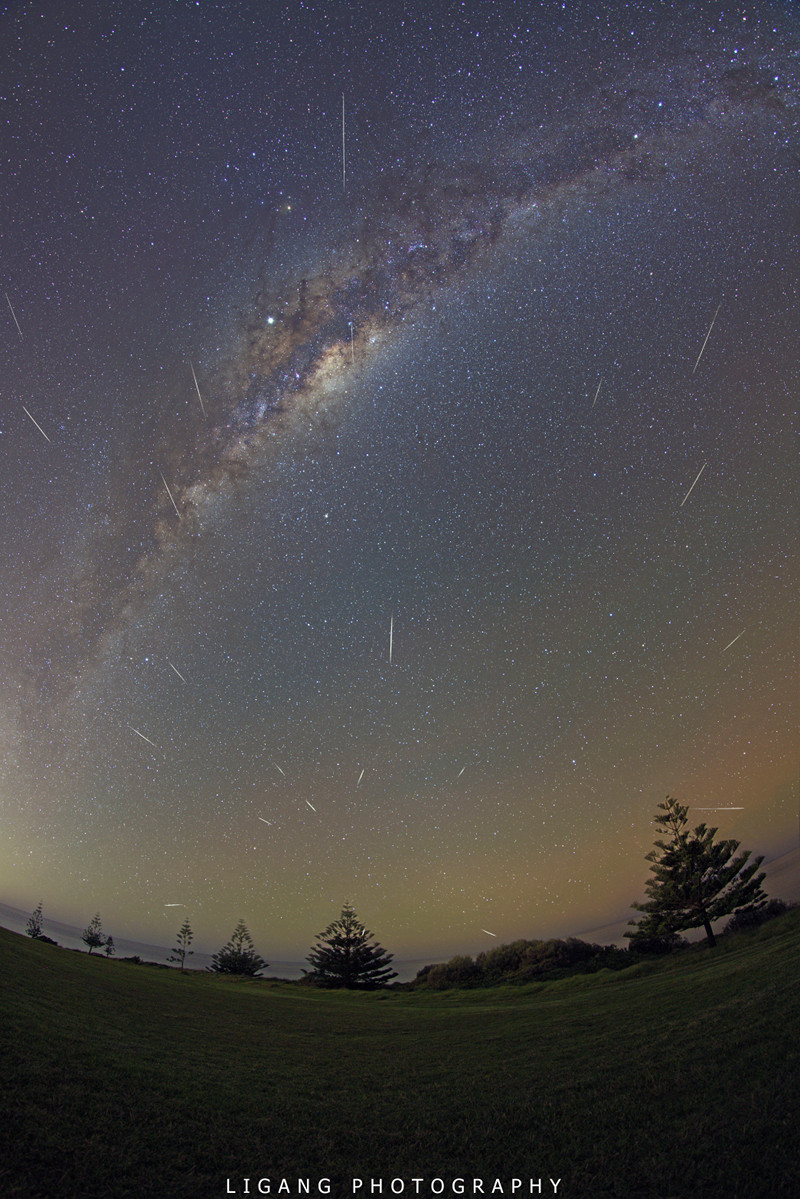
(673, 1079)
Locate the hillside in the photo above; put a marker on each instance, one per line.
(674, 1079)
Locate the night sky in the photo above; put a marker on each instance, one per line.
(398, 527)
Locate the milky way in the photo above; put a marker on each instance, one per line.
(468, 400)
(426, 229)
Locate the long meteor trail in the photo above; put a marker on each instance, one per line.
(169, 493)
(38, 426)
(691, 489)
(197, 385)
(13, 313)
(138, 734)
(344, 168)
(703, 346)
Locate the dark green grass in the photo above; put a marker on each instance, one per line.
(678, 1078)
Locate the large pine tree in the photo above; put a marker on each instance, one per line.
(696, 879)
(344, 957)
(238, 956)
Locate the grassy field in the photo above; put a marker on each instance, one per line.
(676, 1078)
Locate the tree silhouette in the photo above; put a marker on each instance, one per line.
(109, 947)
(238, 956)
(182, 951)
(34, 925)
(343, 956)
(696, 879)
(93, 935)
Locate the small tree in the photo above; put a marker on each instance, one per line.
(93, 935)
(34, 925)
(182, 950)
(343, 956)
(238, 956)
(109, 947)
(696, 879)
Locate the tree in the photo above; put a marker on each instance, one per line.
(109, 945)
(238, 956)
(34, 925)
(182, 950)
(696, 879)
(93, 935)
(343, 956)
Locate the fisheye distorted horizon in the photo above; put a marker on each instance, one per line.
(398, 442)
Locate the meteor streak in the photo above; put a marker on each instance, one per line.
(277, 767)
(736, 638)
(691, 489)
(391, 637)
(344, 176)
(178, 673)
(703, 346)
(197, 385)
(13, 313)
(169, 493)
(38, 426)
(174, 905)
(597, 393)
(265, 821)
(360, 777)
(485, 930)
(147, 739)
(313, 809)
(461, 771)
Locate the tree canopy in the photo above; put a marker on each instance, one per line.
(93, 934)
(695, 879)
(182, 951)
(344, 957)
(520, 962)
(238, 956)
(34, 925)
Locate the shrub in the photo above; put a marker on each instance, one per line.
(752, 916)
(653, 945)
(523, 961)
(460, 971)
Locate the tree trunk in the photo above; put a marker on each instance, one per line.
(712, 940)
